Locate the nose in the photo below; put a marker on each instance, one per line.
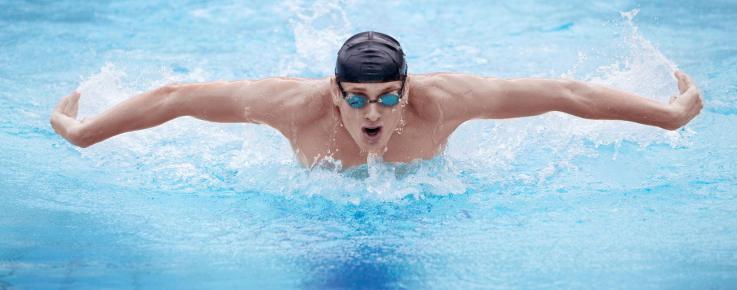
(372, 113)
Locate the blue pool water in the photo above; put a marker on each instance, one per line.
(546, 202)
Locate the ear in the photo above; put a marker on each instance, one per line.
(407, 89)
(335, 92)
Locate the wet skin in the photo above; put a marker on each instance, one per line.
(318, 122)
(398, 134)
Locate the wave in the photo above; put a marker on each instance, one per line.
(192, 156)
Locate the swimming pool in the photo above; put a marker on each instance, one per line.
(545, 202)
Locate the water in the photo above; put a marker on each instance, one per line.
(545, 202)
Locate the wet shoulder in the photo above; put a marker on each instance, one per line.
(298, 102)
(428, 94)
(309, 98)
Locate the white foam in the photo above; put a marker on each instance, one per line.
(495, 146)
(191, 155)
(319, 29)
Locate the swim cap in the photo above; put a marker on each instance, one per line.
(370, 57)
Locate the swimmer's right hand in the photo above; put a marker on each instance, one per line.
(64, 118)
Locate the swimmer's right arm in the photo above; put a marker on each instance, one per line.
(278, 102)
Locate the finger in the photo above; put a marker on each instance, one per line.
(64, 105)
(682, 83)
(73, 104)
(700, 102)
(69, 104)
(71, 98)
(695, 111)
(61, 105)
(697, 106)
(688, 80)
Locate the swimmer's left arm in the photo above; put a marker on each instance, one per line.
(472, 97)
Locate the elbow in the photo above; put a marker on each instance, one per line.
(569, 98)
(170, 100)
(168, 89)
(580, 99)
(572, 89)
(167, 94)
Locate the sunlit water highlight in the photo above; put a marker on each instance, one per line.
(545, 202)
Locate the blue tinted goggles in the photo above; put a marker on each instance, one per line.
(358, 101)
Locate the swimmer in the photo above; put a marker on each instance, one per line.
(372, 106)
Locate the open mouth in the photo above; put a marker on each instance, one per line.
(372, 131)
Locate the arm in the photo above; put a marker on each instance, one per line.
(278, 102)
(466, 97)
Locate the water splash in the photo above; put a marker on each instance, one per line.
(549, 143)
(194, 156)
(102, 90)
(319, 29)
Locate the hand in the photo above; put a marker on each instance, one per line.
(686, 105)
(64, 118)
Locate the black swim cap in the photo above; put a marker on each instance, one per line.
(370, 57)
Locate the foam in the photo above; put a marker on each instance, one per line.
(644, 70)
(319, 29)
(194, 156)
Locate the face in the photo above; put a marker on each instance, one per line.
(372, 125)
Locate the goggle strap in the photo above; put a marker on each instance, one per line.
(401, 89)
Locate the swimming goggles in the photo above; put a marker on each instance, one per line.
(358, 101)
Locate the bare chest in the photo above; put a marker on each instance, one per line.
(316, 144)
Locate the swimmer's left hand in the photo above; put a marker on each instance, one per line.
(686, 105)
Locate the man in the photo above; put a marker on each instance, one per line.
(372, 106)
